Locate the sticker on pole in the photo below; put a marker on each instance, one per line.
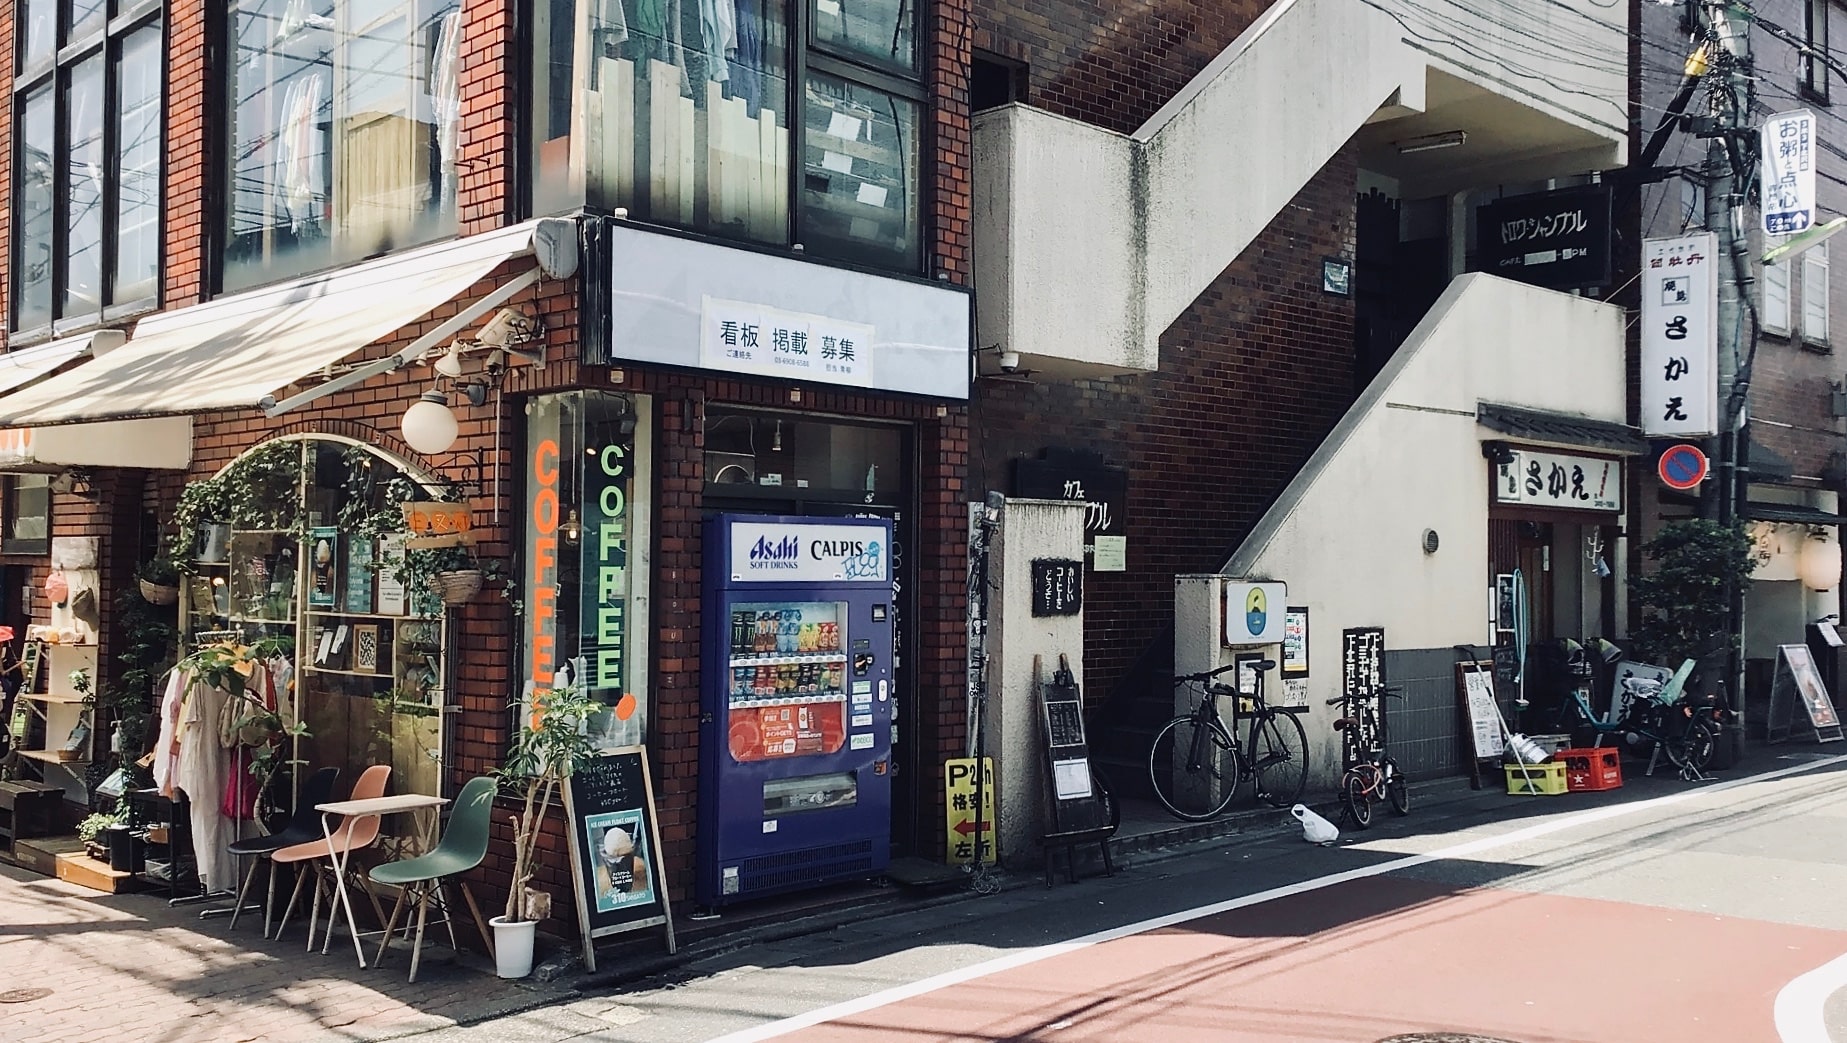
(1683, 467)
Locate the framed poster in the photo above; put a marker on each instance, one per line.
(323, 565)
(1295, 641)
(615, 848)
(365, 648)
(360, 570)
(1504, 602)
(391, 600)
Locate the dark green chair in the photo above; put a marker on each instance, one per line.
(418, 880)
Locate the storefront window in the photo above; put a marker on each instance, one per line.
(343, 132)
(803, 457)
(28, 515)
(586, 555)
(881, 30)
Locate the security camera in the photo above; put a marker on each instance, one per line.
(508, 327)
(1010, 361)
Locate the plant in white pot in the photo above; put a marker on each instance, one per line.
(551, 738)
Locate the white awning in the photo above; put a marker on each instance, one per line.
(235, 352)
(22, 367)
(162, 442)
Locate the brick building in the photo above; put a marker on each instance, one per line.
(318, 204)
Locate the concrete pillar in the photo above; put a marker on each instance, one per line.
(1199, 632)
(1029, 529)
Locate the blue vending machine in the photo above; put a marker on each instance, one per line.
(795, 741)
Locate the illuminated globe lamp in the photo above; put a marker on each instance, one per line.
(428, 426)
(1820, 563)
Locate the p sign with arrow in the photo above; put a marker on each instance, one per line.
(1683, 467)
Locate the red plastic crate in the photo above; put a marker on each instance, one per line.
(1589, 770)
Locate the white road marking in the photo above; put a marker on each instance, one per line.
(898, 993)
(1801, 1004)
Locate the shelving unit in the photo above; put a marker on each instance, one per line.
(61, 720)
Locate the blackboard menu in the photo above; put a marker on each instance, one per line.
(615, 848)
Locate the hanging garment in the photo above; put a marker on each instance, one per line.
(167, 744)
(718, 37)
(446, 103)
(747, 66)
(202, 774)
(299, 153)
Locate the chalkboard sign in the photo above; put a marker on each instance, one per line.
(615, 848)
(1075, 802)
(1058, 587)
(1798, 683)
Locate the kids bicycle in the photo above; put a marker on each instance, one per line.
(1375, 775)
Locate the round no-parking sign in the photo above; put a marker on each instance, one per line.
(1683, 467)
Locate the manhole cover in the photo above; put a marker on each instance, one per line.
(23, 995)
(1444, 1037)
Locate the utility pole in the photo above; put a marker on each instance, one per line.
(1731, 130)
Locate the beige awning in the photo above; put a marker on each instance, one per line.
(21, 368)
(165, 442)
(239, 351)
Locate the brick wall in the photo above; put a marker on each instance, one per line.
(184, 266)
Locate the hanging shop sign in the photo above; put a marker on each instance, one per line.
(1556, 239)
(1680, 370)
(1254, 613)
(433, 524)
(1787, 177)
(1583, 483)
(682, 302)
(1074, 474)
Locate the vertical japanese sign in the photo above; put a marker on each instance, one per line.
(1788, 174)
(1680, 358)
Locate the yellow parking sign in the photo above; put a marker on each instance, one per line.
(966, 828)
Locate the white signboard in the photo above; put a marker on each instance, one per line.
(1680, 371)
(769, 552)
(1484, 718)
(1788, 174)
(770, 342)
(1254, 613)
(1583, 483)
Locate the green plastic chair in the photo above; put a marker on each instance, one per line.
(463, 846)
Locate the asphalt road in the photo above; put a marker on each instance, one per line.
(1664, 911)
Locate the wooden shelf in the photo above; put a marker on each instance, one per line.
(350, 673)
(51, 757)
(48, 697)
(261, 622)
(364, 615)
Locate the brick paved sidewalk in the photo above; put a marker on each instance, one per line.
(129, 966)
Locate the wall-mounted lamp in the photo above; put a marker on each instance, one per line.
(572, 528)
(428, 425)
(1820, 563)
(1447, 139)
(450, 365)
(1500, 454)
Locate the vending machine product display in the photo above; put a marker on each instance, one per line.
(795, 781)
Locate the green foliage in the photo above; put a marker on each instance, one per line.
(90, 828)
(259, 490)
(551, 738)
(160, 571)
(146, 646)
(1683, 595)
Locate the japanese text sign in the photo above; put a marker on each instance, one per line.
(751, 338)
(437, 524)
(1788, 174)
(1679, 338)
(1058, 587)
(970, 816)
(1558, 480)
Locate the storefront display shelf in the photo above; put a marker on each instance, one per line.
(62, 698)
(316, 613)
(785, 659)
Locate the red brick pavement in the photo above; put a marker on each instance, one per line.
(130, 966)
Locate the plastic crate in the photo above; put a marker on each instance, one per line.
(1548, 779)
(1592, 769)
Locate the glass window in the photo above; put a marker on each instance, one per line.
(38, 37)
(1815, 65)
(882, 30)
(83, 188)
(860, 173)
(137, 205)
(32, 260)
(343, 132)
(28, 515)
(586, 570)
(683, 121)
(87, 202)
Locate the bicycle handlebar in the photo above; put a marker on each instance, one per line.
(1207, 675)
(1389, 692)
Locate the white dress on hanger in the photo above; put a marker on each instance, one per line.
(203, 771)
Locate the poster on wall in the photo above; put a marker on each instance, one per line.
(323, 567)
(1295, 642)
(1254, 613)
(391, 550)
(360, 570)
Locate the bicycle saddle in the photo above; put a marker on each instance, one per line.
(1343, 723)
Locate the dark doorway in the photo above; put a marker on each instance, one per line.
(1395, 281)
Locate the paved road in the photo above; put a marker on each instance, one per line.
(1663, 912)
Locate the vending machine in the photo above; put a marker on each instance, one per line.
(795, 743)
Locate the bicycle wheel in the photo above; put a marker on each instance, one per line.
(1692, 748)
(1279, 758)
(1194, 769)
(1356, 797)
(1397, 787)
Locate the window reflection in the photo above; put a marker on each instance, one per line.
(33, 250)
(137, 213)
(860, 172)
(83, 189)
(35, 16)
(344, 132)
(882, 30)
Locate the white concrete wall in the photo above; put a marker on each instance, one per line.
(1028, 529)
(1064, 210)
(1346, 534)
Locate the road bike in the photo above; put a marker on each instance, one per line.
(1376, 774)
(1196, 765)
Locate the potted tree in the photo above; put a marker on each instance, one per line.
(1683, 601)
(551, 740)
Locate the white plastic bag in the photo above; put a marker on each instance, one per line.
(1315, 829)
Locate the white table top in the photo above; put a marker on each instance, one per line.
(382, 805)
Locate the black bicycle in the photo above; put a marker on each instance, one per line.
(1195, 762)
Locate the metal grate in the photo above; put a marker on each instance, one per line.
(789, 868)
(1426, 727)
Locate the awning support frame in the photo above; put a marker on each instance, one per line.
(413, 351)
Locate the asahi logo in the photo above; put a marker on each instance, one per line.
(783, 554)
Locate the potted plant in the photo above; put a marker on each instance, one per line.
(159, 581)
(202, 522)
(552, 739)
(90, 832)
(454, 574)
